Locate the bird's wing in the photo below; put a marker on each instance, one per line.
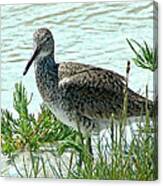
(94, 92)
(68, 69)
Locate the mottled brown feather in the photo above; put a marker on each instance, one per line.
(102, 90)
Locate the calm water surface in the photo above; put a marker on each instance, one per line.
(89, 33)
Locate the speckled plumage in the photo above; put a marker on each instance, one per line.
(78, 93)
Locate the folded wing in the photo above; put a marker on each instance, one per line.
(93, 92)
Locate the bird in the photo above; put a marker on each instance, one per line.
(81, 96)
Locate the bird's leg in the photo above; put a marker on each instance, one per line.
(80, 153)
(80, 160)
(82, 143)
(89, 145)
(85, 123)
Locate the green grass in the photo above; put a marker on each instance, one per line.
(145, 57)
(44, 134)
(41, 146)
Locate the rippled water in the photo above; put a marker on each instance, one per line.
(93, 33)
(90, 33)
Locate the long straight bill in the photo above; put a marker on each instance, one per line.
(36, 52)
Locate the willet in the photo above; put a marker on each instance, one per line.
(79, 94)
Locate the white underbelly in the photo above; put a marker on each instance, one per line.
(63, 117)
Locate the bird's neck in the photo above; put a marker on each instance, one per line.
(46, 72)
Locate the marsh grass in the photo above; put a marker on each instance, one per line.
(145, 56)
(43, 141)
(41, 146)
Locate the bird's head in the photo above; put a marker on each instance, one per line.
(43, 46)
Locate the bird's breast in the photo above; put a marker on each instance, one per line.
(46, 81)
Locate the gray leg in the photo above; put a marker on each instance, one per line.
(90, 146)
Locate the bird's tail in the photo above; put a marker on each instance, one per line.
(139, 105)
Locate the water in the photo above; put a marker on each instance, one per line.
(89, 33)
(92, 33)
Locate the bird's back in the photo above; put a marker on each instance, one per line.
(96, 93)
